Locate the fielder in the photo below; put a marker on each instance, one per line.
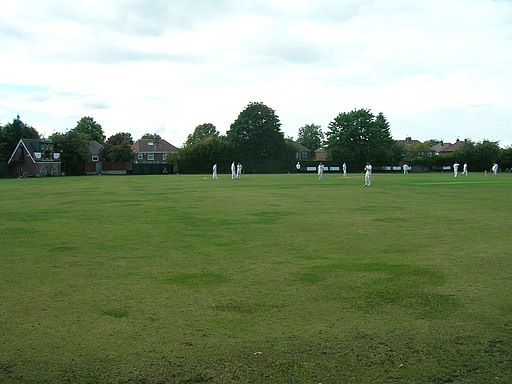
(406, 169)
(233, 171)
(494, 169)
(465, 169)
(320, 171)
(214, 172)
(455, 169)
(344, 169)
(368, 175)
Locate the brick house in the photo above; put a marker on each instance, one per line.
(320, 154)
(408, 143)
(35, 158)
(152, 151)
(446, 148)
(94, 163)
(301, 152)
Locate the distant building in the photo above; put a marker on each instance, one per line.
(93, 165)
(320, 154)
(443, 149)
(301, 152)
(408, 143)
(35, 158)
(152, 151)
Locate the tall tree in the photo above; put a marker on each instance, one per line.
(257, 136)
(359, 136)
(91, 129)
(117, 148)
(382, 148)
(311, 136)
(74, 148)
(10, 135)
(486, 153)
(202, 132)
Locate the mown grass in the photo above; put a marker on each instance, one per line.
(268, 279)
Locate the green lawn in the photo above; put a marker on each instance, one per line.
(268, 279)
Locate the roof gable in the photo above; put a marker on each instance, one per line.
(94, 147)
(441, 147)
(453, 147)
(153, 145)
(30, 146)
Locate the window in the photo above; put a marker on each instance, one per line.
(164, 156)
(140, 156)
(151, 156)
(95, 158)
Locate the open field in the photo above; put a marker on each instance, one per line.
(268, 279)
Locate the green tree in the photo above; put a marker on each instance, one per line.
(148, 136)
(258, 140)
(479, 156)
(10, 135)
(382, 149)
(202, 132)
(311, 136)
(506, 158)
(200, 157)
(117, 148)
(486, 153)
(91, 129)
(358, 136)
(74, 148)
(418, 151)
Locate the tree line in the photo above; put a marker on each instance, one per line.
(256, 140)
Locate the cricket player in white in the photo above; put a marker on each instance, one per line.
(238, 170)
(406, 169)
(297, 167)
(465, 169)
(455, 169)
(368, 175)
(344, 169)
(320, 171)
(233, 171)
(494, 169)
(214, 172)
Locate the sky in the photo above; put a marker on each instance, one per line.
(437, 69)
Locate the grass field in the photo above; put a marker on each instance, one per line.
(268, 279)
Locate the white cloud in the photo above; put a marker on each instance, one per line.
(433, 68)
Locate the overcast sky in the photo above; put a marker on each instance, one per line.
(436, 69)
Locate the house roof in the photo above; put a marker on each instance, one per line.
(298, 146)
(453, 147)
(408, 142)
(153, 145)
(94, 147)
(447, 147)
(30, 145)
(441, 147)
